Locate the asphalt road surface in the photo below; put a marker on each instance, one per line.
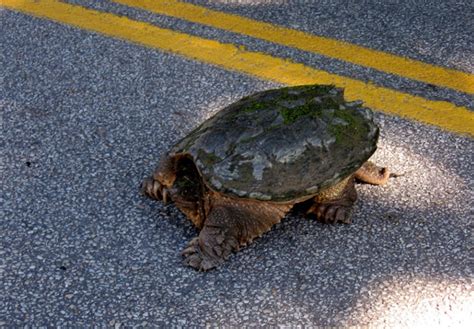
(85, 117)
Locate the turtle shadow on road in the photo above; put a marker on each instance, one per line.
(326, 273)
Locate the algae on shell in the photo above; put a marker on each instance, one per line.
(283, 143)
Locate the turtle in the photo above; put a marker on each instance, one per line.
(241, 171)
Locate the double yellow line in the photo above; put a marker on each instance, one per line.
(328, 47)
(440, 113)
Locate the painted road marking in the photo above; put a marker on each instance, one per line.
(440, 113)
(402, 66)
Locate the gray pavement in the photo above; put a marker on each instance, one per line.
(86, 117)
(437, 33)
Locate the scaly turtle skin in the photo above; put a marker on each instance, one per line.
(241, 171)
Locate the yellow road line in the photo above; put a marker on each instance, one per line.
(359, 55)
(440, 113)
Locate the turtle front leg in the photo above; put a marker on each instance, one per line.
(334, 205)
(154, 190)
(229, 226)
(157, 186)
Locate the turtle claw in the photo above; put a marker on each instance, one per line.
(191, 248)
(194, 261)
(331, 213)
(154, 190)
(198, 259)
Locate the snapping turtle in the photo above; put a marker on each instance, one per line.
(242, 170)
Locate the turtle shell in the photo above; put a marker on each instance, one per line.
(282, 144)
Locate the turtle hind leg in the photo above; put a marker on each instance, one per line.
(372, 174)
(334, 205)
(229, 226)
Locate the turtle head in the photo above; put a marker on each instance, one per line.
(166, 172)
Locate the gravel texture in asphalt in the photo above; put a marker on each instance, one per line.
(85, 118)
